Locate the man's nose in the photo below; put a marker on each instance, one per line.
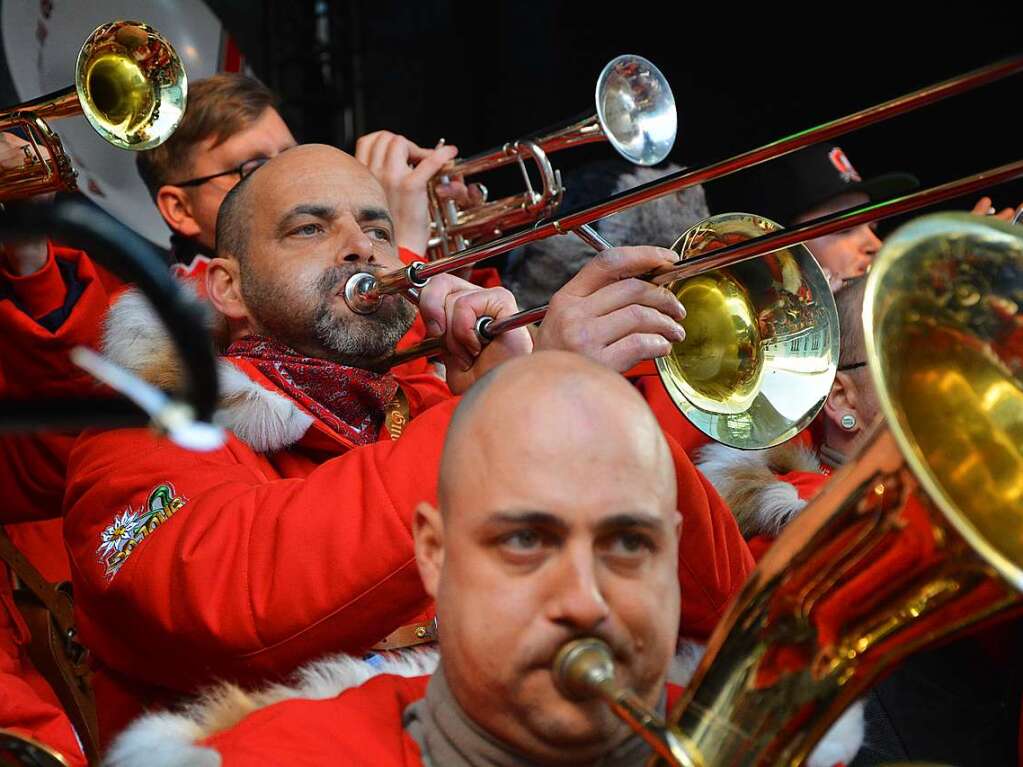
(577, 601)
(871, 242)
(356, 246)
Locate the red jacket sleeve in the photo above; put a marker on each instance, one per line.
(32, 474)
(714, 561)
(34, 349)
(253, 574)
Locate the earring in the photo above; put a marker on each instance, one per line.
(848, 422)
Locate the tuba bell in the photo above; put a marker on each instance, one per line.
(129, 84)
(919, 539)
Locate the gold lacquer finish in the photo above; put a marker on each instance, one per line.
(129, 84)
(917, 539)
(762, 338)
(22, 751)
(945, 343)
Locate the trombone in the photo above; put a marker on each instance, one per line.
(918, 539)
(635, 113)
(129, 84)
(746, 410)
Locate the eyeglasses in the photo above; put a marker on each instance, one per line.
(852, 366)
(243, 171)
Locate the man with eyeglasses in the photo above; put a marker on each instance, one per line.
(231, 128)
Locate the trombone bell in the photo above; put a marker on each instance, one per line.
(762, 341)
(129, 84)
(636, 110)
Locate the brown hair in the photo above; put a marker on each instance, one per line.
(218, 106)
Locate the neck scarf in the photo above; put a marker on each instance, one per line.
(351, 401)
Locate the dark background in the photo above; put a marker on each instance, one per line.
(480, 74)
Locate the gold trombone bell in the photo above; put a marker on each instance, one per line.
(129, 84)
(762, 338)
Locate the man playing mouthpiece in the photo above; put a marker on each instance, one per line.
(295, 538)
(540, 536)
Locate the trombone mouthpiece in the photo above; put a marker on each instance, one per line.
(361, 293)
(582, 668)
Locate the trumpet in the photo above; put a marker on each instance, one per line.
(740, 403)
(635, 113)
(129, 84)
(917, 540)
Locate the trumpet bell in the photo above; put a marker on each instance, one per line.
(131, 85)
(636, 109)
(944, 340)
(762, 339)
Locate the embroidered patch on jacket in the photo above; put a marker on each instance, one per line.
(130, 528)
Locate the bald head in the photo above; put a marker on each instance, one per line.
(236, 212)
(558, 519)
(557, 411)
(288, 239)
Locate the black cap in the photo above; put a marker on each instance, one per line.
(788, 187)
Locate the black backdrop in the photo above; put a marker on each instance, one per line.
(480, 74)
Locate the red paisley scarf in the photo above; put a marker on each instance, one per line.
(349, 400)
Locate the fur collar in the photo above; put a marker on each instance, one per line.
(171, 739)
(747, 481)
(135, 339)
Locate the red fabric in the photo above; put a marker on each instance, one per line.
(236, 576)
(33, 361)
(485, 277)
(351, 401)
(361, 727)
(27, 704)
(41, 292)
(42, 543)
(32, 471)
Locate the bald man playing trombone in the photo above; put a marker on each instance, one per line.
(295, 539)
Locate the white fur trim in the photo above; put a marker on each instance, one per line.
(169, 739)
(161, 740)
(135, 339)
(843, 740)
(263, 419)
(747, 481)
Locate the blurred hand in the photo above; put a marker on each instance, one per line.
(609, 316)
(984, 207)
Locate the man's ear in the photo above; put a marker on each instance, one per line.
(223, 285)
(842, 401)
(176, 208)
(428, 535)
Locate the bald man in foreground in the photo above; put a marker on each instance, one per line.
(541, 536)
(295, 538)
